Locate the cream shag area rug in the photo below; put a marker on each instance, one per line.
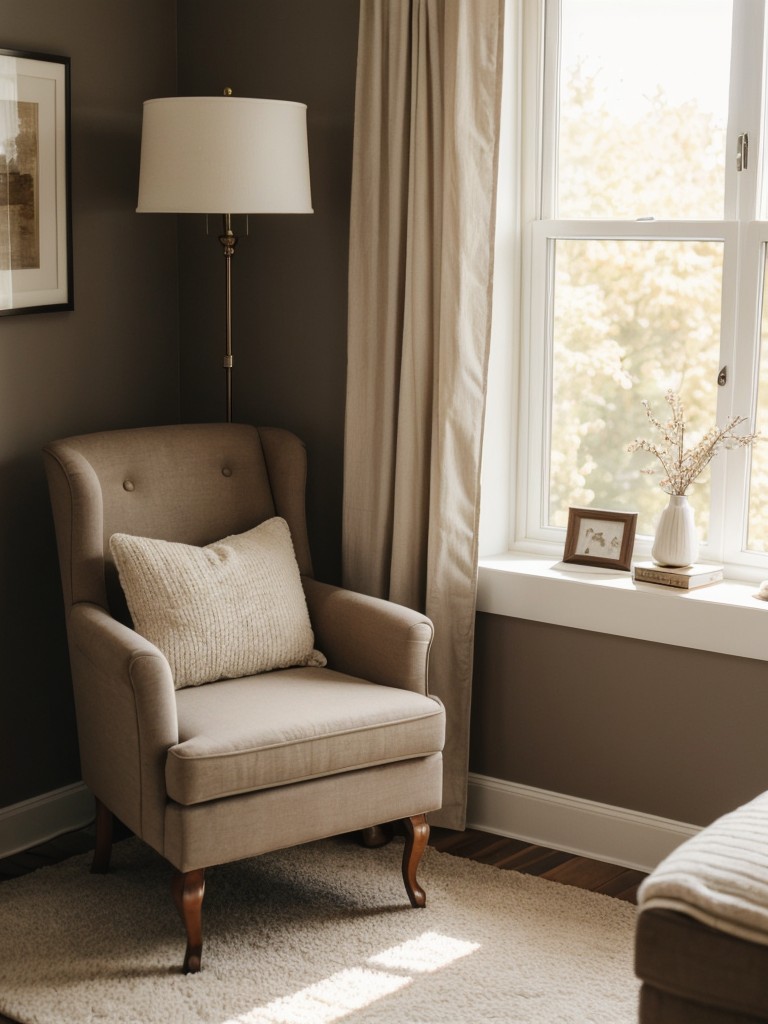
(313, 935)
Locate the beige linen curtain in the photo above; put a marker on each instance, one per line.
(421, 252)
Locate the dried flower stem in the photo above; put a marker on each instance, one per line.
(682, 467)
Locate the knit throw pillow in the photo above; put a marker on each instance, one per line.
(233, 608)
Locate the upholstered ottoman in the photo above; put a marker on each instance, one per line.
(701, 948)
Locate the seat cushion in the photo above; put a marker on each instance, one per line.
(241, 735)
(229, 609)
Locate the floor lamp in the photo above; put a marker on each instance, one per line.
(224, 155)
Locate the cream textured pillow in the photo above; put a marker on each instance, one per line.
(233, 608)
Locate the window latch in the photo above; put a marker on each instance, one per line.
(722, 377)
(742, 152)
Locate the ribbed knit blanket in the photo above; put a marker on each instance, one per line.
(720, 875)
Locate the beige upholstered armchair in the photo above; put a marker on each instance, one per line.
(210, 770)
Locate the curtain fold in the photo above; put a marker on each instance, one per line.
(421, 265)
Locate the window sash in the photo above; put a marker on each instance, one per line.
(747, 110)
(536, 362)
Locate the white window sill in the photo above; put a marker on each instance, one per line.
(725, 617)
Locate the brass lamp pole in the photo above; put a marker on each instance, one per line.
(228, 240)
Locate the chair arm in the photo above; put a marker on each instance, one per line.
(126, 718)
(370, 637)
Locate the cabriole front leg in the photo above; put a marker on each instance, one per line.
(188, 888)
(416, 838)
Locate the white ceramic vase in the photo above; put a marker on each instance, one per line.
(676, 542)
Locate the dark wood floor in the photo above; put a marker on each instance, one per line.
(508, 854)
(517, 855)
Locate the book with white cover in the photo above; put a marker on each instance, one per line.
(686, 578)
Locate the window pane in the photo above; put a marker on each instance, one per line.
(643, 108)
(631, 319)
(757, 533)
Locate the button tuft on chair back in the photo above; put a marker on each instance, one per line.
(192, 483)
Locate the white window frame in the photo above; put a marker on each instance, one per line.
(524, 245)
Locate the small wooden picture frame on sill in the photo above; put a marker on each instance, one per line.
(598, 537)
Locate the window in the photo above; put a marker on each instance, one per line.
(642, 261)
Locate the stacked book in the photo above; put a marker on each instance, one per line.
(686, 578)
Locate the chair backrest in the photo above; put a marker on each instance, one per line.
(193, 483)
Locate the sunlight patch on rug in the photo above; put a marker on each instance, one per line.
(429, 952)
(341, 994)
(329, 1000)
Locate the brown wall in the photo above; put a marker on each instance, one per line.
(663, 730)
(111, 362)
(116, 360)
(290, 273)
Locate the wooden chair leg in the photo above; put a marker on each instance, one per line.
(375, 836)
(416, 838)
(188, 888)
(104, 831)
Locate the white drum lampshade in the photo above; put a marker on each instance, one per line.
(224, 154)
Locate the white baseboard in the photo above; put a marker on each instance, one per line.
(614, 834)
(43, 817)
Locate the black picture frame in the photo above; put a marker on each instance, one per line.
(35, 183)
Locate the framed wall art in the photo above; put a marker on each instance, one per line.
(598, 537)
(35, 205)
